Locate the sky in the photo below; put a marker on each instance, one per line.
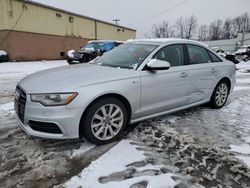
(142, 14)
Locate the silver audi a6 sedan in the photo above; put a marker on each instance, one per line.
(138, 80)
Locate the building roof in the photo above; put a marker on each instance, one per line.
(72, 13)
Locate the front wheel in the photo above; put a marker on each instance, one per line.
(220, 95)
(104, 121)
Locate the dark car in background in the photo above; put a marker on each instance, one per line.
(243, 53)
(91, 50)
(226, 55)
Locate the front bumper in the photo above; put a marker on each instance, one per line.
(65, 120)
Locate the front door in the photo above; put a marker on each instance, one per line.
(163, 90)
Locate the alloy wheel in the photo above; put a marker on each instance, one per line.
(221, 94)
(107, 122)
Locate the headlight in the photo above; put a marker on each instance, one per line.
(53, 99)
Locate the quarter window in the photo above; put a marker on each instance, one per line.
(172, 54)
(213, 58)
(197, 55)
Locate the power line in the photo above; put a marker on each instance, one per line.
(14, 26)
(162, 12)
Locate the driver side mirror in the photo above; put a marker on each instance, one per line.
(156, 64)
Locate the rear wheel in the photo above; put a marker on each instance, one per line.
(104, 121)
(220, 95)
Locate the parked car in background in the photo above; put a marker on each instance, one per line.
(243, 53)
(226, 55)
(91, 50)
(138, 80)
(3, 56)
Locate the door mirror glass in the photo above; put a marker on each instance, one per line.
(156, 64)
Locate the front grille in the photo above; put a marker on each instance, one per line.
(77, 55)
(20, 102)
(45, 127)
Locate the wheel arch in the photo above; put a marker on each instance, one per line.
(226, 79)
(120, 97)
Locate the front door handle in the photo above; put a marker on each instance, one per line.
(213, 70)
(183, 74)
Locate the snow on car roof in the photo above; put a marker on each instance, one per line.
(2, 52)
(165, 40)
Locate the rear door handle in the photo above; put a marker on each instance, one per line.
(183, 75)
(213, 70)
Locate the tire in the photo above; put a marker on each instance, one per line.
(220, 95)
(98, 126)
(69, 61)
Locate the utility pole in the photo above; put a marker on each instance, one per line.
(116, 21)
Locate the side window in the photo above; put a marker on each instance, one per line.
(213, 58)
(172, 54)
(197, 55)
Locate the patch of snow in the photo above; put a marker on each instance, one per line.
(239, 88)
(245, 159)
(70, 53)
(243, 80)
(247, 139)
(85, 146)
(12, 69)
(7, 107)
(116, 160)
(243, 149)
(169, 118)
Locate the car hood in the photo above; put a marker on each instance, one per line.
(69, 78)
(86, 51)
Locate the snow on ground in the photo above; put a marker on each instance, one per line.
(119, 158)
(11, 73)
(7, 107)
(85, 146)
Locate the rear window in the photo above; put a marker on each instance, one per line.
(197, 54)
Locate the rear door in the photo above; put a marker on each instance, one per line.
(203, 72)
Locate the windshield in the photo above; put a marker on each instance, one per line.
(105, 46)
(128, 56)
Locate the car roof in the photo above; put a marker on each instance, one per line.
(162, 41)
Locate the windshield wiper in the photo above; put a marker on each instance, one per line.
(116, 66)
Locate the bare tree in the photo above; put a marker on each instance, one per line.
(245, 22)
(180, 26)
(237, 24)
(228, 29)
(162, 30)
(215, 30)
(190, 28)
(203, 33)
